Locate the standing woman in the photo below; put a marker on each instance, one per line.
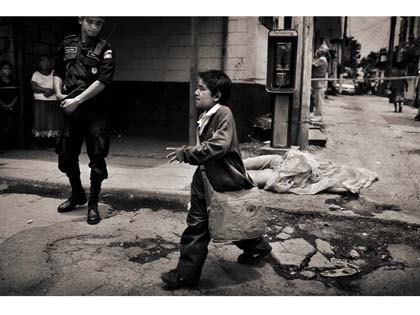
(48, 117)
(8, 101)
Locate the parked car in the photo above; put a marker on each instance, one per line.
(347, 87)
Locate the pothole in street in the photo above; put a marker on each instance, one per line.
(147, 250)
(414, 151)
(353, 107)
(358, 247)
(359, 204)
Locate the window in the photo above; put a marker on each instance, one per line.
(270, 22)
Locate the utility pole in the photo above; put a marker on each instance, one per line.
(345, 27)
(344, 50)
(299, 114)
(295, 108)
(193, 81)
(305, 94)
(389, 58)
(19, 43)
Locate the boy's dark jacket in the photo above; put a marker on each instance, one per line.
(219, 153)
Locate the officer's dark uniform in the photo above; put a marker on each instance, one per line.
(79, 65)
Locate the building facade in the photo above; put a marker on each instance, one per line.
(150, 93)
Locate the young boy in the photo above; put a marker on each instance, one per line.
(219, 152)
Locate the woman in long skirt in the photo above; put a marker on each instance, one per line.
(48, 117)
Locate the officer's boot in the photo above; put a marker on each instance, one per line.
(93, 216)
(395, 106)
(77, 197)
(401, 106)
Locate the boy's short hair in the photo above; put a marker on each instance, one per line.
(217, 81)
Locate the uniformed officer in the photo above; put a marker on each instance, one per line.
(84, 67)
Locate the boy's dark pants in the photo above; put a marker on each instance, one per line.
(196, 237)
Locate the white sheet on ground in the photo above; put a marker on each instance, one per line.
(301, 173)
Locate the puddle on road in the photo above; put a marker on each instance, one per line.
(147, 250)
(359, 204)
(414, 151)
(353, 107)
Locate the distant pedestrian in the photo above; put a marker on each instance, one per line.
(8, 104)
(397, 88)
(319, 71)
(417, 97)
(48, 116)
(218, 150)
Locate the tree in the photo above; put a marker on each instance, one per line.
(369, 62)
(353, 55)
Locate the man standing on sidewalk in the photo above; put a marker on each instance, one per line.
(319, 70)
(85, 65)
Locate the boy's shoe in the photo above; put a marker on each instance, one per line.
(173, 280)
(253, 257)
(417, 118)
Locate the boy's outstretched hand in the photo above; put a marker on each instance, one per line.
(175, 155)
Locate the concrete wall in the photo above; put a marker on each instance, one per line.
(246, 53)
(246, 64)
(158, 49)
(238, 65)
(261, 54)
(153, 64)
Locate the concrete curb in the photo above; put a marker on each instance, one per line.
(146, 198)
(177, 200)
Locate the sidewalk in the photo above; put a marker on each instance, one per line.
(135, 177)
(140, 174)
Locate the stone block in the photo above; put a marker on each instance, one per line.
(324, 247)
(292, 253)
(319, 262)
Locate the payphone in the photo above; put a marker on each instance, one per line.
(281, 82)
(281, 61)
